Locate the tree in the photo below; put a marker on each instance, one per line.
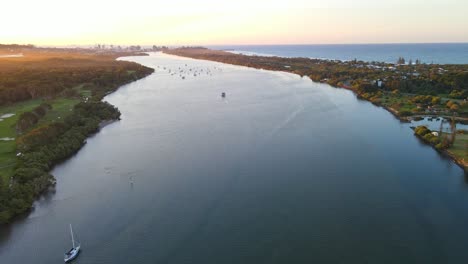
(401, 60)
(435, 100)
(366, 87)
(453, 128)
(449, 104)
(461, 81)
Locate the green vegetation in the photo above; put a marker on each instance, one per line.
(55, 96)
(405, 89)
(58, 77)
(7, 130)
(409, 91)
(43, 147)
(455, 144)
(459, 149)
(430, 137)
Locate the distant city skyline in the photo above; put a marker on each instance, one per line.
(208, 22)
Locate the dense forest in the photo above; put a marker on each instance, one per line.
(48, 74)
(43, 75)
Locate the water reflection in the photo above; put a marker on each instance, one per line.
(434, 124)
(287, 171)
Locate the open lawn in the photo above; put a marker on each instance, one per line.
(398, 102)
(61, 107)
(7, 130)
(460, 147)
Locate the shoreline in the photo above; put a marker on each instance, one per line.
(461, 163)
(217, 57)
(445, 152)
(51, 187)
(87, 119)
(327, 51)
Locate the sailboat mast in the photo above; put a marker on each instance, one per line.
(73, 239)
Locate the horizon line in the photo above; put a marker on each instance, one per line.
(256, 44)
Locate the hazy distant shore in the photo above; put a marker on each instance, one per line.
(11, 55)
(438, 53)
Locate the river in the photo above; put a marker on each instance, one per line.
(282, 170)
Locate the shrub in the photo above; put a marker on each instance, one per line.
(26, 120)
(440, 146)
(434, 140)
(428, 137)
(405, 113)
(421, 130)
(454, 107)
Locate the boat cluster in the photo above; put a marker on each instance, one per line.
(186, 71)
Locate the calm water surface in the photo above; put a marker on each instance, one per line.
(441, 53)
(283, 170)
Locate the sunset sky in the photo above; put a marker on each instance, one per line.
(205, 22)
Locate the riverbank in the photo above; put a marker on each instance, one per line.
(187, 176)
(458, 151)
(408, 92)
(51, 123)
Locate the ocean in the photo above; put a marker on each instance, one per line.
(440, 53)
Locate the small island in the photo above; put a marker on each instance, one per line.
(410, 90)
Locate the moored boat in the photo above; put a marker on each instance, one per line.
(74, 251)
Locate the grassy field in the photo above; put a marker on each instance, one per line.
(460, 146)
(7, 130)
(398, 102)
(61, 107)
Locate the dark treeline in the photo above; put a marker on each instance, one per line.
(48, 74)
(45, 146)
(24, 80)
(28, 119)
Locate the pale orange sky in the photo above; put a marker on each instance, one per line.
(205, 22)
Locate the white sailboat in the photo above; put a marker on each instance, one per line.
(73, 252)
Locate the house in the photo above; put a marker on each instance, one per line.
(379, 83)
